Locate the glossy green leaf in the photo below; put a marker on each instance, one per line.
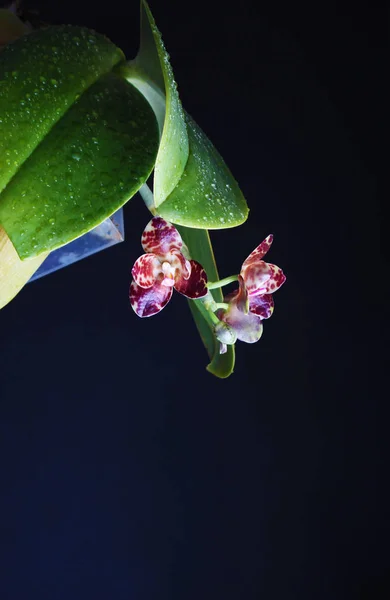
(41, 75)
(192, 185)
(199, 246)
(89, 164)
(152, 63)
(207, 195)
(74, 146)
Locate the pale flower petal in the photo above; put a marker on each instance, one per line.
(248, 327)
(256, 277)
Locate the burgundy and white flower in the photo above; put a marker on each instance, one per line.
(163, 268)
(252, 302)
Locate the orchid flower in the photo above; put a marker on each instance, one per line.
(163, 268)
(252, 302)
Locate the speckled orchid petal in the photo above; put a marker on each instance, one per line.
(160, 237)
(262, 305)
(259, 252)
(262, 278)
(248, 327)
(146, 269)
(148, 302)
(256, 277)
(196, 285)
(276, 280)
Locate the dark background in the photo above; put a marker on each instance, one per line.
(126, 470)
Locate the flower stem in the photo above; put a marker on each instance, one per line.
(212, 285)
(147, 197)
(213, 317)
(223, 305)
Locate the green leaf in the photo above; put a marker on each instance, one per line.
(192, 185)
(152, 63)
(207, 195)
(41, 75)
(199, 246)
(74, 154)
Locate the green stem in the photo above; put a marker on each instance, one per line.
(147, 197)
(210, 307)
(212, 285)
(206, 311)
(223, 305)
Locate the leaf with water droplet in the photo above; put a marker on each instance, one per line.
(192, 184)
(207, 196)
(152, 67)
(66, 179)
(31, 73)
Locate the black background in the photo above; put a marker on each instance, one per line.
(127, 471)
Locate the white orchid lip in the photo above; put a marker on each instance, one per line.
(169, 274)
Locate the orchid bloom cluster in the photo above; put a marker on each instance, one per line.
(166, 266)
